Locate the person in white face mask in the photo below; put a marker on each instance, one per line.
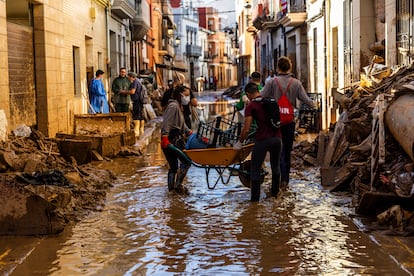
(175, 132)
(187, 101)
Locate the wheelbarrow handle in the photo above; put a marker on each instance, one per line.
(181, 153)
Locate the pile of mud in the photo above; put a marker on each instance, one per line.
(40, 191)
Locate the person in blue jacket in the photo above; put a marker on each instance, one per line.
(97, 95)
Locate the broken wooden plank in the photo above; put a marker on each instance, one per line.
(338, 132)
(373, 203)
(96, 156)
(78, 149)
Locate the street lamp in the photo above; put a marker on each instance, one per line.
(177, 41)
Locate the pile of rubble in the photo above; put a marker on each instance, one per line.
(369, 151)
(40, 191)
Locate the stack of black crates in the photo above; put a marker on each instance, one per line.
(310, 118)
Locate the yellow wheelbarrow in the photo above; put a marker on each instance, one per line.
(222, 160)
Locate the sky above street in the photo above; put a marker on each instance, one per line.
(223, 6)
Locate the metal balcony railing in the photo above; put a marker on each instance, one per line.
(193, 50)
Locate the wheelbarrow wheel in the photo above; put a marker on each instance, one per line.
(244, 173)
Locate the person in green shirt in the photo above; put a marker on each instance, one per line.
(255, 77)
(121, 83)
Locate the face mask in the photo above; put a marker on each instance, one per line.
(185, 100)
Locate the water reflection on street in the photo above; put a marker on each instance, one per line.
(145, 230)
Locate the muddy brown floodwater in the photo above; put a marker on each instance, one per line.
(144, 230)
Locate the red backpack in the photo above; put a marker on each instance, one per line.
(285, 108)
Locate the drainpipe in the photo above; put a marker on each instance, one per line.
(108, 45)
(326, 113)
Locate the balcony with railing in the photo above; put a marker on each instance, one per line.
(210, 55)
(192, 50)
(263, 18)
(295, 14)
(141, 21)
(123, 9)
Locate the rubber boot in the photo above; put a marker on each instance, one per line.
(182, 172)
(171, 181)
(136, 127)
(274, 190)
(255, 190)
(142, 126)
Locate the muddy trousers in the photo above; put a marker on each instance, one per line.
(261, 147)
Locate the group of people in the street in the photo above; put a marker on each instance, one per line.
(277, 141)
(126, 88)
(177, 103)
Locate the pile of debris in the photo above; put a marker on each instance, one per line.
(40, 191)
(370, 151)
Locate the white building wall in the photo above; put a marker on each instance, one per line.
(317, 56)
(390, 32)
(202, 41)
(337, 21)
(363, 34)
(122, 46)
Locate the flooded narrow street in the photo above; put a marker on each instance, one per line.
(145, 230)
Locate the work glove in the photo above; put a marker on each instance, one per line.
(164, 141)
(237, 146)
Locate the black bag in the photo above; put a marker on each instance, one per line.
(271, 109)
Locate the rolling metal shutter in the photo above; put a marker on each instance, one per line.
(21, 75)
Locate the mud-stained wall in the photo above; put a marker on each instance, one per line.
(21, 75)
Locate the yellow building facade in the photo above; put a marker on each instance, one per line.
(49, 51)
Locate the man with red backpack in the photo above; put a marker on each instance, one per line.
(285, 89)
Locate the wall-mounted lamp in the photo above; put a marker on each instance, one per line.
(177, 41)
(170, 32)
